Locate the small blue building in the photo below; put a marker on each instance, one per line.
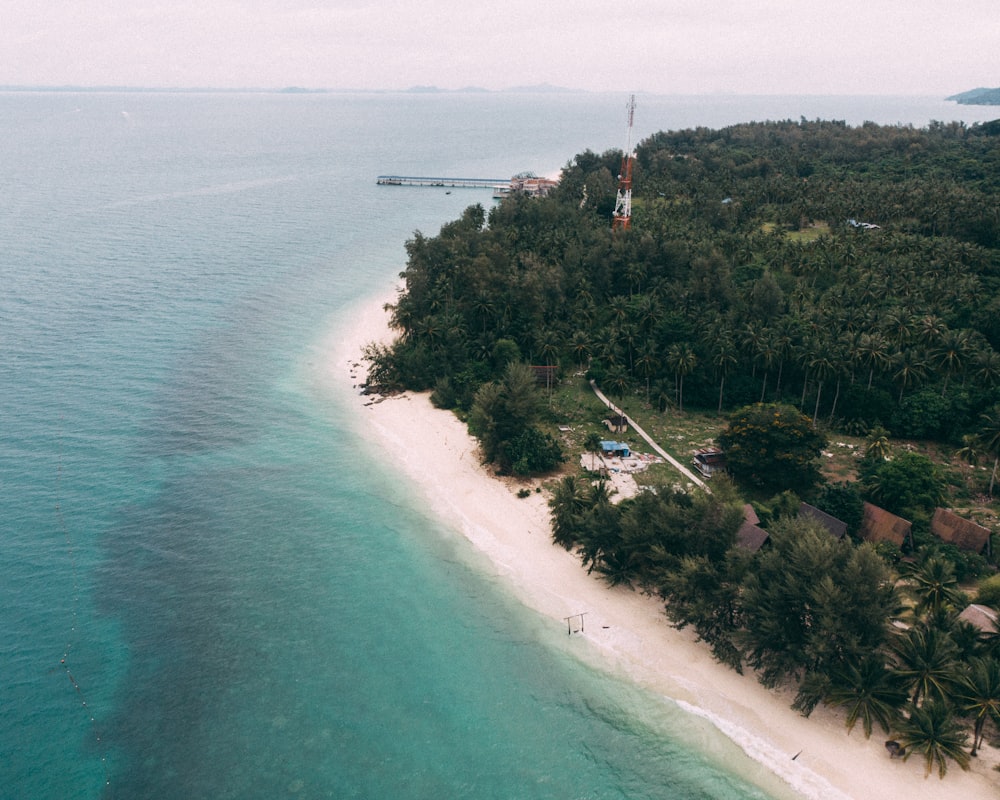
(615, 449)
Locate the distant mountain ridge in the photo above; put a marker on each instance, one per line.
(977, 97)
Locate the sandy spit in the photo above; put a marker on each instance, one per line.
(625, 629)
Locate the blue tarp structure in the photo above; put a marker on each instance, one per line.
(610, 448)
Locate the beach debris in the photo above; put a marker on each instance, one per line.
(895, 749)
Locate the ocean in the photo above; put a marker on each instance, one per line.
(210, 587)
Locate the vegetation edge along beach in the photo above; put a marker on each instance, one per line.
(794, 292)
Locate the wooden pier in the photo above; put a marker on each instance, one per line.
(454, 183)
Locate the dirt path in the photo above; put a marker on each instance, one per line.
(669, 458)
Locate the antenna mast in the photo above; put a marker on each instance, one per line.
(622, 218)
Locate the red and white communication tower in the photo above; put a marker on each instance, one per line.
(622, 218)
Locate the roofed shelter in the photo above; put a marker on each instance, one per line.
(615, 449)
(878, 525)
(709, 460)
(617, 423)
(751, 536)
(836, 527)
(963, 533)
(982, 617)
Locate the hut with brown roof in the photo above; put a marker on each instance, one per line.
(982, 617)
(963, 533)
(751, 536)
(837, 528)
(878, 525)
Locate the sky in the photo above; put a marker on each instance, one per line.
(909, 47)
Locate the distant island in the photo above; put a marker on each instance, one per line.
(977, 97)
(536, 89)
(540, 88)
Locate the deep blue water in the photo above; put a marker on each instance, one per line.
(209, 588)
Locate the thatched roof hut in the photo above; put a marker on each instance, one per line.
(878, 525)
(963, 533)
(837, 528)
(982, 617)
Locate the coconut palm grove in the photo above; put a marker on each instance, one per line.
(792, 284)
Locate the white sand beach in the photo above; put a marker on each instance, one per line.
(626, 629)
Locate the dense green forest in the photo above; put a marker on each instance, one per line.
(751, 273)
(827, 277)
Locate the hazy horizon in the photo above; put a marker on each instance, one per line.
(667, 47)
(427, 89)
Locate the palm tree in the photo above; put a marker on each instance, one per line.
(567, 503)
(432, 329)
(898, 326)
(878, 445)
(910, 368)
(750, 338)
(804, 353)
(784, 337)
(599, 531)
(873, 350)
(970, 451)
(592, 444)
(927, 661)
(723, 357)
(647, 312)
(635, 271)
(986, 367)
(548, 344)
(951, 353)
(842, 367)
(979, 696)
(931, 729)
(580, 345)
(682, 359)
(930, 329)
(618, 566)
(765, 353)
(629, 334)
(989, 437)
(618, 306)
(647, 362)
(618, 382)
(823, 367)
(869, 691)
(934, 586)
(483, 306)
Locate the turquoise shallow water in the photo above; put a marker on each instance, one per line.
(210, 589)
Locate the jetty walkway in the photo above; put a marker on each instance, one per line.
(669, 458)
(457, 183)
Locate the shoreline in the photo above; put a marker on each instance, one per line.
(625, 631)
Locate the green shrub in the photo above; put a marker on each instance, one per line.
(988, 593)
